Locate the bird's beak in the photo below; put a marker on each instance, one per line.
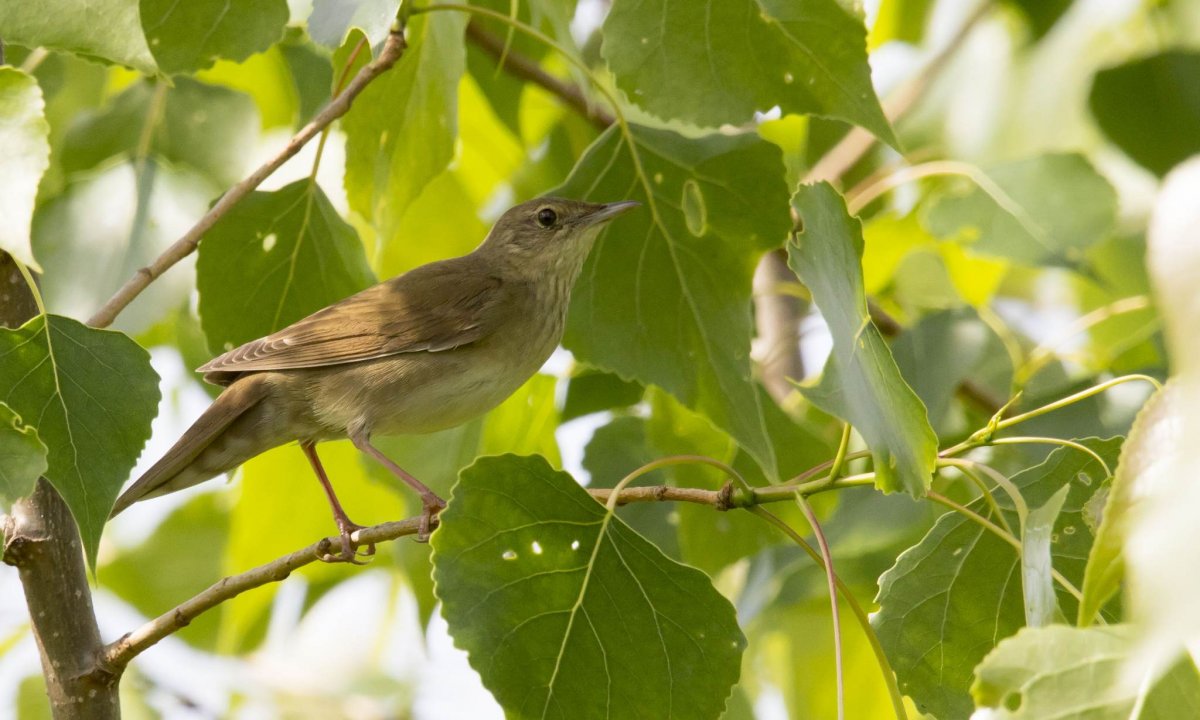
(608, 211)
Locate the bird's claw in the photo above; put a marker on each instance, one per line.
(348, 552)
(432, 505)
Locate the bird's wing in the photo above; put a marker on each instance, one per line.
(433, 308)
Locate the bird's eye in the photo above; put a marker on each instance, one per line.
(546, 217)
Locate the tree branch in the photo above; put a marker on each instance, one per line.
(522, 67)
(393, 48)
(42, 541)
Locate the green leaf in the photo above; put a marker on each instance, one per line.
(861, 383)
(22, 457)
(661, 305)
(565, 612)
(91, 394)
(1037, 580)
(1157, 426)
(1044, 209)
(1042, 14)
(1150, 108)
(189, 36)
(1080, 674)
(209, 128)
(400, 132)
(180, 559)
(275, 258)
(108, 30)
(950, 598)
(24, 157)
(592, 391)
(718, 61)
(941, 351)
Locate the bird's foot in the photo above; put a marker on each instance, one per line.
(348, 553)
(432, 506)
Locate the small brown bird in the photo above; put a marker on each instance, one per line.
(421, 352)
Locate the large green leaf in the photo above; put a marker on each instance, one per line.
(665, 296)
(565, 612)
(24, 156)
(710, 62)
(209, 128)
(592, 391)
(22, 457)
(108, 30)
(950, 598)
(274, 259)
(1043, 209)
(861, 382)
(1150, 108)
(91, 395)
(400, 132)
(1071, 673)
(189, 36)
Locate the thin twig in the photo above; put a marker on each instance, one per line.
(522, 67)
(186, 245)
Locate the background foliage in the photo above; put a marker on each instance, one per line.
(983, 257)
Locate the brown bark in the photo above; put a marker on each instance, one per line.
(42, 542)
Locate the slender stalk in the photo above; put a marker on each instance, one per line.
(831, 581)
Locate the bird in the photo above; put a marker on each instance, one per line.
(421, 352)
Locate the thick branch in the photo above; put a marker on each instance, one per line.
(42, 541)
(522, 67)
(393, 48)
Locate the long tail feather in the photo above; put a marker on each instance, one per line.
(171, 472)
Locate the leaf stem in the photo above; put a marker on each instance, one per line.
(29, 281)
(831, 581)
(885, 667)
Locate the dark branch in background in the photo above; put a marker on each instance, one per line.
(777, 319)
(524, 68)
(393, 48)
(42, 541)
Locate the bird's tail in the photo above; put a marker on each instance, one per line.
(179, 468)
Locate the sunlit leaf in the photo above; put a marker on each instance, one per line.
(188, 36)
(22, 457)
(24, 156)
(861, 383)
(1044, 209)
(950, 598)
(1077, 673)
(274, 259)
(108, 30)
(718, 61)
(552, 590)
(274, 84)
(1037, 581)
(1150, 107)
(400, 131)
(662, 305)
(332, 20)
(91, 395)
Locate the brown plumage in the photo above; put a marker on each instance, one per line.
(421, 352)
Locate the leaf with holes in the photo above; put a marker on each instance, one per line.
(861, 383)
(275, 258)
(22, 457)
(1084, 673)
(951, 597)
(717, 61)
(91, 395)
(665, 300)
(566, 612)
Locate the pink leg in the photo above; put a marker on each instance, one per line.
(344, 523)
(429, 499)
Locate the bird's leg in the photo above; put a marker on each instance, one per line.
(432, 504)
(344, 523)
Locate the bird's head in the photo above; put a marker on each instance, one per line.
(549, 235)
